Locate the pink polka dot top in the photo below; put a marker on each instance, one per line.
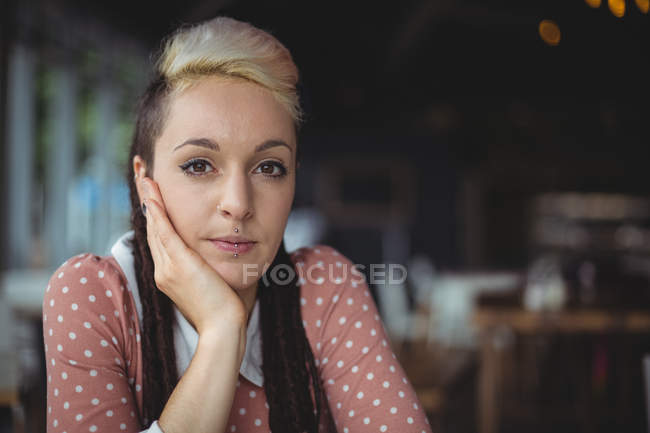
(92, 321)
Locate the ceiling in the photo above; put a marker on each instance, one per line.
(369, 61)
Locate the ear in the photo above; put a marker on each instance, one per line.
(140, 170)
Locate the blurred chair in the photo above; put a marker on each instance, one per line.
(453, 301)
(21, 351)
(421, 361)
(305, 227)
(646, 377)
(9, 385)
(432, 368)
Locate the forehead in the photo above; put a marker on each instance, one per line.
(237, 114)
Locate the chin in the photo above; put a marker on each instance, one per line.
(239, 275)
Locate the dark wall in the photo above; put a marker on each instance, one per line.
(431, 162)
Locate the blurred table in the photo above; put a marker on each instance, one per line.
(498, 324)
(23, 290)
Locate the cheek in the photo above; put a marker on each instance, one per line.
(184, 210)
(273, 210)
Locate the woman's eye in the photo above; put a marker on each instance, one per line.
(196, 167)
(272, 169)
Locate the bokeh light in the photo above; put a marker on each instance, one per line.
(593, 3)
(643, 5)
(549, 31)
(617, 7)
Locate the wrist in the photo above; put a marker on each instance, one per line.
(220, 329)
(225, 337)
(223, 320)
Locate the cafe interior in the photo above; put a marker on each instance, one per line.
(491, 155)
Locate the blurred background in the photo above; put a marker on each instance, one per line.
(496, 148)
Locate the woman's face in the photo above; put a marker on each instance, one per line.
(226, 159)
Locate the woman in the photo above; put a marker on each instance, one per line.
(200, 321)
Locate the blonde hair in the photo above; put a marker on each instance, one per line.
(230, 49)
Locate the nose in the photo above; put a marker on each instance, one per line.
(236, 198)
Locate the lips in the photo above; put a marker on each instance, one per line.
(233, 239)
(234, 244)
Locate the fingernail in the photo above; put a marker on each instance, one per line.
(144, 208)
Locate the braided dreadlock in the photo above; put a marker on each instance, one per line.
(291, 381)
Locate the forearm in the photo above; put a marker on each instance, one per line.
(202, 400)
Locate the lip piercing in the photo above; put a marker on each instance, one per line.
(236, 243)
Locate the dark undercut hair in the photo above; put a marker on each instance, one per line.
(291, 381)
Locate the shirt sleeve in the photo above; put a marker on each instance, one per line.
(90, 335)
(366, 387)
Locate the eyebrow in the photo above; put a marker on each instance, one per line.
(202, 142)
(212, 145)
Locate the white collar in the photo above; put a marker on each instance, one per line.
(185, 336)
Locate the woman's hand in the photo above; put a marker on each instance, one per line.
(198, 291)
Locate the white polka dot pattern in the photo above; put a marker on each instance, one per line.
(349, 342)
(95, 375)
(87, 392)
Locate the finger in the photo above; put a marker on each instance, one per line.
(155, 245)
(172, 245)
(158, 252)
(162, 229)
(151, 190)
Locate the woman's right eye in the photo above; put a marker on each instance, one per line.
(196, 167)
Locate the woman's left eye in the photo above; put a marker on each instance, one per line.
(271, 169)
(196, 167)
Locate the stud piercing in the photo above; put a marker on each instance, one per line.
(236, 230)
